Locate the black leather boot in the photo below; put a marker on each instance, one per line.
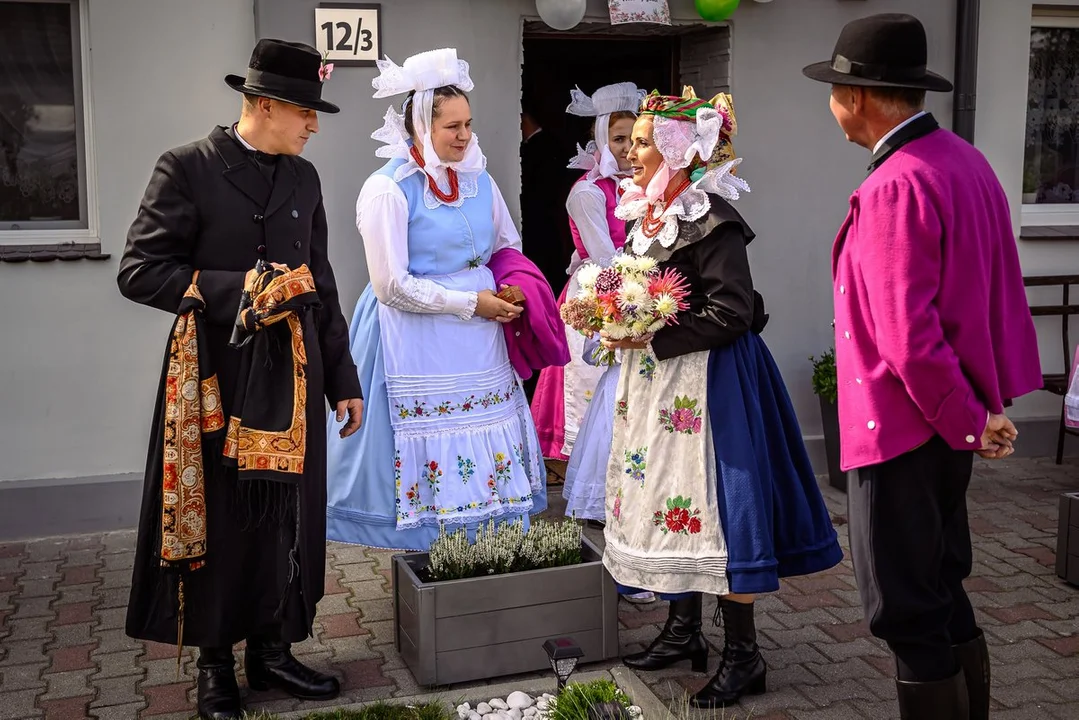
(938, 700)
(973, 658)
(681, 639)
(742, 670)
(270, 664)
(218, 694)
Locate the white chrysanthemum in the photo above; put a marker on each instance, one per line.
(586, 276)
(666, 306)
(639, 328)
(632, 294)
(657, 325)
(646, 264)
(616, 331)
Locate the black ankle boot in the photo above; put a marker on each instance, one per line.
(681, 639)
(218, 694)
(937, 700)
(270, 664)
(973, 658)
(742, 670)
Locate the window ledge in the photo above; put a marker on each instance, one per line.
(52, 252)
(1049, 232)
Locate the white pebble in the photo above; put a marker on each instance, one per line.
(514, 713)
(499, 704)
(483, 709)
(490, 716)
(530, 712)
(541, 704)
(634, 711)
(519, 700)
(474, 716)
(463, 711)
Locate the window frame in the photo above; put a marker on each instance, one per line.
(1046, 214)
(84, 134)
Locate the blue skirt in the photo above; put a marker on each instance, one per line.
(361, 489)
(773, 515)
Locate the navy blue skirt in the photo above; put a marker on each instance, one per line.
(770, 507)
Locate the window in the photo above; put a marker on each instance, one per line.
(44, 188)
(1051, 158)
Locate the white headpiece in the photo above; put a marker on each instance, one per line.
(423, 74)
(596, 157)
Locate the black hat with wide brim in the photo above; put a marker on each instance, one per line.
(285, 71)
(886, 50)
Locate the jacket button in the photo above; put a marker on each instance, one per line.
(846, 335)
(295, 214)
(871, 425)
(261, 249)
(257, 218)
(297, 244)
(842, 290)
(970, 439)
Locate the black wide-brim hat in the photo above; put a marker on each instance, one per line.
(886, 50)
(285, 71)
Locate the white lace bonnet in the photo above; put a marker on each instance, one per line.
(596, 156)
(422, 74)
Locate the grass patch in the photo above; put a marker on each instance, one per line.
(375, 711)
(574, 701)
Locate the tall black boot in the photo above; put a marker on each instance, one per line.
(742, 670)
(218, 693)
(681, 639)
(937, 700)
(270, 664)
(973, 658)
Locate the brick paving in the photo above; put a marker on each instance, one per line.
(64, 655)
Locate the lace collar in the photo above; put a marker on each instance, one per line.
(692, 205)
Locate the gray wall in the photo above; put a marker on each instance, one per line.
(79, 365)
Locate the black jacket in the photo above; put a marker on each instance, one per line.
(711, 255)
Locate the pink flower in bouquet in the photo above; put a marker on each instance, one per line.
(579, 314)
(608, 282)
(672, 283)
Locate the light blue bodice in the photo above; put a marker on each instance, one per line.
(447, 239)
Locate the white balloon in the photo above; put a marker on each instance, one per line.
(561, 14)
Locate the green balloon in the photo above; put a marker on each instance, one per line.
(716, 10)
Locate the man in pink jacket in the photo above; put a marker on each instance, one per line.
(933, 339)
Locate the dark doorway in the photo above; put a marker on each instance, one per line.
(554, 64)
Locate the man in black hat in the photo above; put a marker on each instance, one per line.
(933, 339)
(232, 540)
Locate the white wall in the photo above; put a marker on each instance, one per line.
(78, 363)
(1003, 62)
(78, 372)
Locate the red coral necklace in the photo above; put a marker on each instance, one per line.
(653, 222)
(455, 188)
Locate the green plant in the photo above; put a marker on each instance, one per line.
(503, 548)
(824, 379)
(574, 701)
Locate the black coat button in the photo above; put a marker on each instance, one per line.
(261, 249)
(297, 245)
(257, 218)
(295, 214)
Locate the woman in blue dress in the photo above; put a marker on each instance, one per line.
(447, 437)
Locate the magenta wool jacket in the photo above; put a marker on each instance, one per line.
(537, 339)
(933, 327)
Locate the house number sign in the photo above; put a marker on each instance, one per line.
(349, 33)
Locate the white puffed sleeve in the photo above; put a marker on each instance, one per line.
(382, 219)
(587, 206)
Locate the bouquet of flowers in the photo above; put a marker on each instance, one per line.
(631, 299)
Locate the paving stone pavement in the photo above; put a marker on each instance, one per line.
(64, 655)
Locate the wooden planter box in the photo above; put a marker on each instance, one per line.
(1068, 538)
(463, 630)
(829, 413)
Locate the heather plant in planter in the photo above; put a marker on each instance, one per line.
(467, 611)
(504, 548)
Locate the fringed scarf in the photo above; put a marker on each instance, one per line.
(267, 432)
(266, 437)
